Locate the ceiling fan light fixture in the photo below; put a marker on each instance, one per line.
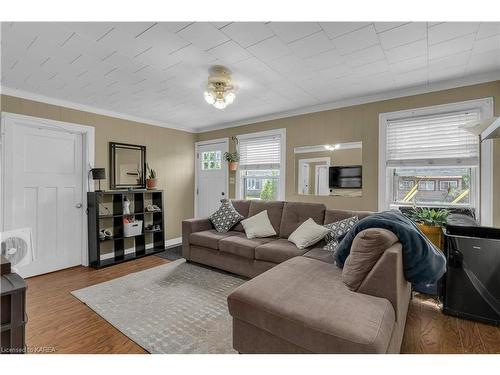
(220, 88)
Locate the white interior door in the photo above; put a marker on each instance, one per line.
(303, 178)
(212, 177)
(43, 191)
(322, 187)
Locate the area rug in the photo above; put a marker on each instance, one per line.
(173, 308)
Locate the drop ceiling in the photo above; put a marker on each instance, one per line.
(158, 71)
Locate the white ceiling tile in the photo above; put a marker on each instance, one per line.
(336, 29)
(416, 63)
(487, 29)
(412, 78)
(449, 30)
(384, 26)
(203, 34)
(371, 69)
(407, 51)
(291, 31)
(365, 56)
(311, 45)
(458, 59)
(175, 26)
(325, 60)
(288, 64)
(230, 52)
(269, 49)
(220, 25)
(247, 33)
(437, 75)
(486, 44)
(483, 62)
(405, 34)
(356, 40)
(452, 46)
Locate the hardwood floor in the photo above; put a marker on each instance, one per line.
(60, 321)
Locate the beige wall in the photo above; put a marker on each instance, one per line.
(360, 123)
(170, 152)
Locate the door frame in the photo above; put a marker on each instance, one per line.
(88, 157)
(197, 145)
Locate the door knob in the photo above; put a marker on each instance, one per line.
(222, 193)
(79, 205)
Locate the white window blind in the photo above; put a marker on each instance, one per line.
(432, 140)
(260, 152)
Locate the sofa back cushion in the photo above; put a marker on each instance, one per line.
(242, 206)
(295, 213)
(332, 216)
(367, 247)
(274, 211)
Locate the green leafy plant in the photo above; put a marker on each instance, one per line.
(152, 172)
(429, 216)
(232, 157)
(269, 190)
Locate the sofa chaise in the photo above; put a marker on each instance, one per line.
(297, 300)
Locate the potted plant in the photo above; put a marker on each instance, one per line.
(151, 180)
(232, 158)
(431, 221)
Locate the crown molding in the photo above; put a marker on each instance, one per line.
(393, 94)
(4, 90)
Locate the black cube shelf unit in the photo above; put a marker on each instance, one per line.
(105, 211)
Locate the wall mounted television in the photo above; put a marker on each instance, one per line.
(346, 177)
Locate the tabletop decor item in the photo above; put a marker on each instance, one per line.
(431, 221)
(151, 182)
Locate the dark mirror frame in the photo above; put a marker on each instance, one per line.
(112, 158)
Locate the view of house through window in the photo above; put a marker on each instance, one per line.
(432, 186)
(260, 184)
(211, 160)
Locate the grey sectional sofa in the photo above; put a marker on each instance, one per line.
(296, 301)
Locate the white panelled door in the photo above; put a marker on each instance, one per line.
(43, 191)
(212, 177)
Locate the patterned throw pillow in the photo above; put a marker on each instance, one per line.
(337, 230)
(225, 217)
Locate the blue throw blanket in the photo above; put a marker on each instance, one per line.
(422, 261)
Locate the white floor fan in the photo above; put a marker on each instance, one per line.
(17, 247)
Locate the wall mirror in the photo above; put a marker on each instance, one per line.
(127, 165)
(329, 169)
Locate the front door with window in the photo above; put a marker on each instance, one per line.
(212, 177)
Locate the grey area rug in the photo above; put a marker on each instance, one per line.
(174, 308)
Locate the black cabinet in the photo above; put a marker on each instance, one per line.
(13, 311)
(105, 211)
(471, 285)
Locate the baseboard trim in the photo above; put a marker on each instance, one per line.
(173, 242)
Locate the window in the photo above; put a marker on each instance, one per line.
(261, 169)
(426, 185)
(447, 185)
(427, 158)
(211, 160)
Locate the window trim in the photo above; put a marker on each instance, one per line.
(282, 179)
(484, 190)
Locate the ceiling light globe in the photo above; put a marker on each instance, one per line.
(209, 98)
(220, 104)
(230, 97)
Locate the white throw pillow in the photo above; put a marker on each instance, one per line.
(307, 234)
(258, 226)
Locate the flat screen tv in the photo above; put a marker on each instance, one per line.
(345, 177)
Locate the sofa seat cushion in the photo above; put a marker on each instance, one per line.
(241, 245)
(305, 302)
(209, 238)
(278, 251)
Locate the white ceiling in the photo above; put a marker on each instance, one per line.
(157, 71)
